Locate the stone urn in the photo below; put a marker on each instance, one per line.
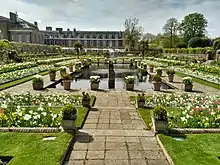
(52, 76)
(66, 84)
(151, 69)
(140, 104)
(157, 86)
(130, 87)
(94, 86)
(38, 86)
(71, 68)
(159, 126)
(170, 77)
(188, 87)
(68, 124)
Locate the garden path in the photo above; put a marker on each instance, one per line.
(114, 134)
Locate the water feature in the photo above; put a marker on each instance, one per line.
(121, 70)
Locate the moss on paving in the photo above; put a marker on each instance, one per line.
(29, 148)
(201, 149)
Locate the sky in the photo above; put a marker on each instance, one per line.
(111, 14)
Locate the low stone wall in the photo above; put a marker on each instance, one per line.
(31, 130)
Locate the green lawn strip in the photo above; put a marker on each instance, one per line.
(20, 81)
(29, 148)
(206, 83)
(146, 115)
(200, 149)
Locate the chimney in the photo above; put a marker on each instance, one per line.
(68, 29)
(49, 28)
(13, 17)
(35, 23)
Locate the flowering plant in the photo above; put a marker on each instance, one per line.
(95, 79)
(37, 79)
(129, 79)
(63, 68)
(187, 80)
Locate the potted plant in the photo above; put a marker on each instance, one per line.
(94, 82)
(140, 100)
(129, 81)
(160, 119)
(157, 82)
(52, 73)
(66, 81)
(151, 68)
(85, 99)
(188, 82)
(170, 73)
(63, 70)
(159, 71)
(38, 82)
(69, 115)
(71, 67)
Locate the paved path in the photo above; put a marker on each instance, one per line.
(114, 135)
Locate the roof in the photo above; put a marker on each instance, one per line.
(26, 24)
(4, 19)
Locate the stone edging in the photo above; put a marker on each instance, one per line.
(170, 161)
(193, 130)
(31, 130)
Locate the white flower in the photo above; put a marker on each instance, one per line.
(27, 117)
(40, 109)
(49, 104)
(44, 113)
(4, 106)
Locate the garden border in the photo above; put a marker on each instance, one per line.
(169, 159)
(193, 130)
(31, 129)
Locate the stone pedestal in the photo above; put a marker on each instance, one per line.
(111, 76)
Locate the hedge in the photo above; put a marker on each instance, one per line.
(187, 50)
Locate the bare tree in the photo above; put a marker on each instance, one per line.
(170, 29)
(132, 33)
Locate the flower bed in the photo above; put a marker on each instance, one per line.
(27, 110)
(16, 66)
(18, 74)
(195, 111)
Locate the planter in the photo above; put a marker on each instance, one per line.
(52, 77)
(159, 126)
(188, 88)
(140, 104)
(94, 86)
(66, 84)
(68, 124)
(86, 103)
(151, 69)
(170, 77)
(38, 86)
(157, 86)
(130, 87)
(71, 68)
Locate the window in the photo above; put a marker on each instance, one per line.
(27, 38)
(19, 38)
(12, 37)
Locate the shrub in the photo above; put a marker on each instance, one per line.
(216, 44)
(159, 70)
(37, 79)
(95, 79)
(129, 79)
(206, 42)
(195, 42)
(69, 112)
(52, 71)
(170, 72)
(156, 78)
(160, 113)
(181, 45)
(187, 80)
(66, 76)
(141, 98)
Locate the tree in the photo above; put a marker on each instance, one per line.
(132, 33)
(78, 47)
(193, 25)
(170, 29)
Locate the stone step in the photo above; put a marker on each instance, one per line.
(116, 108)
(130, 133)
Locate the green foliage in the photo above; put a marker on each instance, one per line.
(170, 72)
(193, 25)
(195, 42)
(216, 44)
(85, 97)
(53, 71)
(187, 80)
(37, 79)
(5, 44)
(66, 76)
(181, 45)
(188, 50)
(141, 98)
(160, 113)
(156, 78)
(69, 112)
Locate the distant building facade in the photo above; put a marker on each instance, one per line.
(16, 29)
(89, 39)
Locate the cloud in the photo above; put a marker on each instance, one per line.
(110, 14)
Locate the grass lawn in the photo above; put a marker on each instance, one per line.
(29, 148)
(206, 83)
(19, 81)
(202, 149)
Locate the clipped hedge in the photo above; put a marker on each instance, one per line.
(187, 50)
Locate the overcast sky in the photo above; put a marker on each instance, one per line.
(110, 14)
